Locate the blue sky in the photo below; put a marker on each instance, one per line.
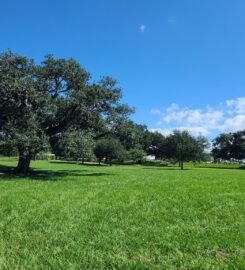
(181, 64)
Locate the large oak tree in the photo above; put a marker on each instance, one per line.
(40, 102)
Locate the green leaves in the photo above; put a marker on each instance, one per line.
(76, 144)
(231, 145)
(109, 148)
(39, 103)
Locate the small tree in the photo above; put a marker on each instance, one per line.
(202, 145)
(109, 149)
(76, 144)
(182, 146)
(157, 143)
(136, 154)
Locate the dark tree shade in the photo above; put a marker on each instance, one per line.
(231, 145)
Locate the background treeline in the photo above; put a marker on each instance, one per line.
(56, 106)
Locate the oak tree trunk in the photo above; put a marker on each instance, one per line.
(24, 162)
(182, 165)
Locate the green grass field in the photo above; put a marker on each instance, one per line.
(71, 216)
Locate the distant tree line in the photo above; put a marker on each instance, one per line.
(56, 106)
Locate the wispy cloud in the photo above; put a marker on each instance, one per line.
(233, 124)
(207, 118)
(236, 105)
(195, 131)
(208, 121)
(142, 28)
(156, 112)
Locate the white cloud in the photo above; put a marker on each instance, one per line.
(194, 131)
(163, 131)
(173, 107)
(177, 116)
(236, 105)
(207, 118)
(142, 28)
(156, 112)
(234, 124)
(226, 117)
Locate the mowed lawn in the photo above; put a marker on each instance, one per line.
(71, 216)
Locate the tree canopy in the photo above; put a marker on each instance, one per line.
(109, 149)
(182, 147)
(40, 102)
(230, 145)
(75, 145)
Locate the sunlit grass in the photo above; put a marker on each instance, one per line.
(71, 216)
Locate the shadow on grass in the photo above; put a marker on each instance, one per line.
(220, 167)
(79, 163)
(8, 173)
(126, 163)
(169, 168)
(196, 167)
(89, 164)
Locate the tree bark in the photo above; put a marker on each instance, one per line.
(24, 162)
(179, 158)
(182, 165)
